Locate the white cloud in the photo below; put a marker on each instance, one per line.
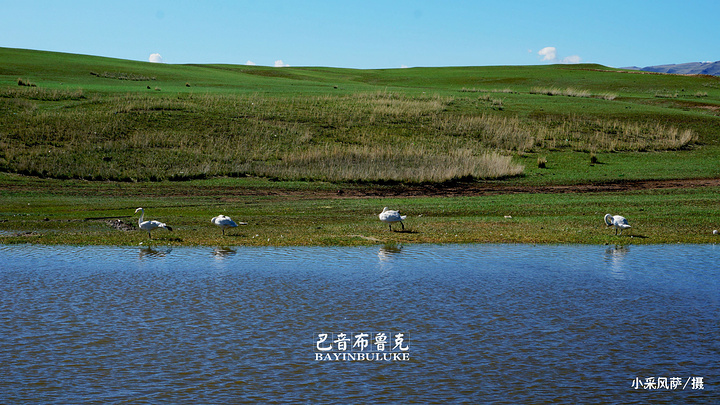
(571, 59)
(549, 53)
(403, 66)
(155, 58)
(280, 63)
(250, 63)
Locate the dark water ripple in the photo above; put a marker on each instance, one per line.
(486, 323)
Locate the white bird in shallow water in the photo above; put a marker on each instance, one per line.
(149, 225)
(390, 216)
(619, 222)
(225, 222)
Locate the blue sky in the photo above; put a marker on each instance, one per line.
(370, 33)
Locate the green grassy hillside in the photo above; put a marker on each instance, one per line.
(85, 117)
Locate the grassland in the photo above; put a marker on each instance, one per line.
(88, 137)
(49, 211)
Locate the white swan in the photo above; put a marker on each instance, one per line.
(390, 216)
(619, 222)
(149, 225)
(225, 222)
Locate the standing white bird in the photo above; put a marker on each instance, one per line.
(619, 222)
(149, 225)
(390, 216)
(225, 222)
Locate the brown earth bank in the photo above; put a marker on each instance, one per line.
(470, 189)
(458, 189)
(479, 189)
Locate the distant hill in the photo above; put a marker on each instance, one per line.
(692, 68)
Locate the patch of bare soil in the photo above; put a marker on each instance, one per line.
(120, 225)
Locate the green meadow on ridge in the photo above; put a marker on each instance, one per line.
(72, 123)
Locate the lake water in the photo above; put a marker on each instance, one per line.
(463, 323)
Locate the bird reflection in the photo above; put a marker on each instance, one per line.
(616, 256)
(387, 251)
(151, 252)
(221, 252)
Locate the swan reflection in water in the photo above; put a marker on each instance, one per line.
(223, 252)
(387, 251)
(152, 252)
(616, 256)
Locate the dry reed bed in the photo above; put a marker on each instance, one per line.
(574, 133)
(549, 91)
(360, 137)
(384, 162)
(571, 92)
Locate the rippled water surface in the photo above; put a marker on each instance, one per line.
(481, 323)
